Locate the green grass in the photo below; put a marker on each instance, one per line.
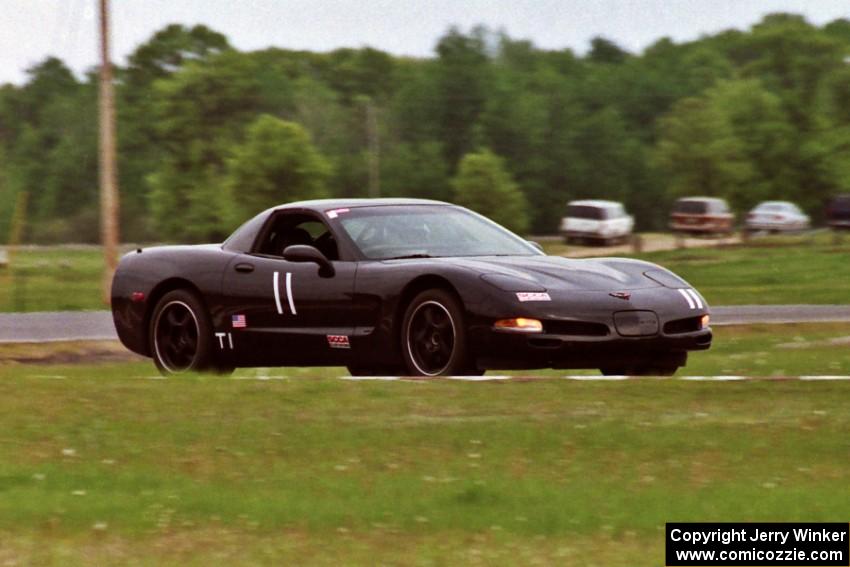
(52, 279)
(100, 464)
(775, 270)
(784, 270)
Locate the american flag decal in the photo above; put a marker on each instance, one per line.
(338, 341)
(238, 322)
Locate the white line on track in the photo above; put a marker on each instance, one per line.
(363, 378)
(590, 378)
(714, 378)
(596, 378)
(479, 378)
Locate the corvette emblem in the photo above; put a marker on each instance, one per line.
(625, 295)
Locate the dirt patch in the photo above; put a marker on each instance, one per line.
(88, 352)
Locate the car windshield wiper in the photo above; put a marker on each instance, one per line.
(408, 256)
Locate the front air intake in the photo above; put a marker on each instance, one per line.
(575, 328)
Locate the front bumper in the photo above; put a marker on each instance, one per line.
(768, 225)
(595, 329)
(506, 350)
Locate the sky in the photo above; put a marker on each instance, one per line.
(31, 30)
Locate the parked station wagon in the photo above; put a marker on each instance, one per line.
(838, 212)
(596, 221)
(701, 215)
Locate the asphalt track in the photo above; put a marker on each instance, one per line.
(97, 325)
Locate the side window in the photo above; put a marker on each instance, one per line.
(288, 229)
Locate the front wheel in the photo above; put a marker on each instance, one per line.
(180, 334)
(433, 336)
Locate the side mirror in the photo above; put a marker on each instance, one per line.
(304, 253)
(536, 245)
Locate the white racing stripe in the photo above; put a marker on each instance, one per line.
(696, 298)
(289, 293)
(276, 281)
(687, 298)
(824, 378)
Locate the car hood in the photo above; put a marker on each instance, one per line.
(511, 273)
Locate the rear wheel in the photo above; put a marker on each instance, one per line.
(180, 334)
(434, 341)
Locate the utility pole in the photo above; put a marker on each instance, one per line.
(108, 168)
(374, 150)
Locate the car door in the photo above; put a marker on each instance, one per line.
(283, 312)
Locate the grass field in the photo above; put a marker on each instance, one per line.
(775, 270)
(765, 271)
(102, 464)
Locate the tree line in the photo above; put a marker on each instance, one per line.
(209, 135)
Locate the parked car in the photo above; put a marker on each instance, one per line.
(838, 212)
(701, 215)
(597, 221)
(776, 216)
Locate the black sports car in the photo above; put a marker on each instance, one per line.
(399, 286)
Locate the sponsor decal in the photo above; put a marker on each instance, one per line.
(225, 344)
(524, 296)
(625, 295)
(238, 321)
(333, 213)
(338, 341)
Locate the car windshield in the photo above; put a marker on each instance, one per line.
(691, 207)
(772, 208)
(586, 212)
(423, 231)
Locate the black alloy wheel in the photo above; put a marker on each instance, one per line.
(434, 336)
(180, 334)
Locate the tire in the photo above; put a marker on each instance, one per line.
(433, 336)
(180, 334)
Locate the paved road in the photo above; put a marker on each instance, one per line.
(58, 326)
(97, 325)
(750, 314)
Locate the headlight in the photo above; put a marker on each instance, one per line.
(520, 325)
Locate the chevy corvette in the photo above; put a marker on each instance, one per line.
(401, 286)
